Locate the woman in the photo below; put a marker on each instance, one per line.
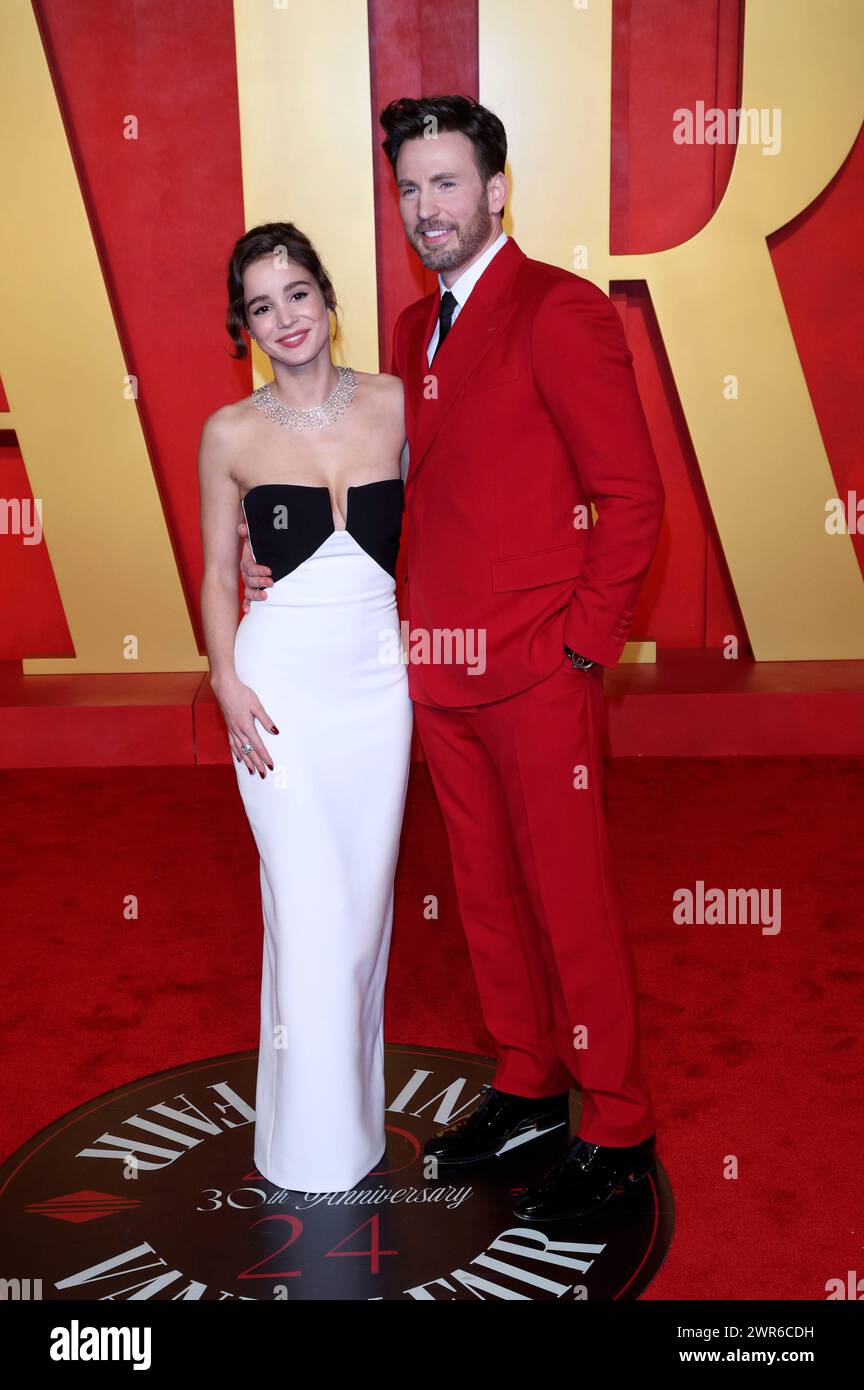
(313, 690)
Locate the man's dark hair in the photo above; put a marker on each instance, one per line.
(407, 119)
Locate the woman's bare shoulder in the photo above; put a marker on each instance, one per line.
(384, 392)
(224, 432)
(223, 435)
(229, 418)
(381, 380)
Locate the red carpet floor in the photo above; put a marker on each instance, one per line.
(754, 1044)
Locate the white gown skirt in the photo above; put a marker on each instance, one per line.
(322, 654)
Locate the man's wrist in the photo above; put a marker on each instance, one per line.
(581, 663)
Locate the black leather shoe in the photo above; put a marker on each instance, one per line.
(585, 1179)
(500, 1123)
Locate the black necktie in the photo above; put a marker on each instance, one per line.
(445, 318)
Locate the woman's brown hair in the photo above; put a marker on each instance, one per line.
(264, 241)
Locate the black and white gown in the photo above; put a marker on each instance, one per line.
(323, 655)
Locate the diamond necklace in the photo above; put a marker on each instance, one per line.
(316, 416)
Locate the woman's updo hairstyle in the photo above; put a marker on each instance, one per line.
(281, 239)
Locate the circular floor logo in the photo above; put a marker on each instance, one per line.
(150, 1192)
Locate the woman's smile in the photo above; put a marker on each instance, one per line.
(292, 340)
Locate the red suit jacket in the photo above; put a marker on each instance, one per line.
(528, 414)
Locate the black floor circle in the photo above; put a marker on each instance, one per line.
(150, 1192)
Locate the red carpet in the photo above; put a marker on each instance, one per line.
(753, 1043)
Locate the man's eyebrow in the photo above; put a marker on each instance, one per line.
(434, 179)
(292, 285)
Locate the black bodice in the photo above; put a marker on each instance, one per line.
(287, 522)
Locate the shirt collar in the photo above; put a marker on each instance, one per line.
(468, 279)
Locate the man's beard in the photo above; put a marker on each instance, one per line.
(469, 238)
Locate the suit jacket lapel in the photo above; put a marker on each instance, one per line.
(485, 315)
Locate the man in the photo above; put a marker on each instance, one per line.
(522, 410)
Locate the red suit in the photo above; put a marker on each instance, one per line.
(528, 414)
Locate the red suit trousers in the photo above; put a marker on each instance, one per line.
(520, 785)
